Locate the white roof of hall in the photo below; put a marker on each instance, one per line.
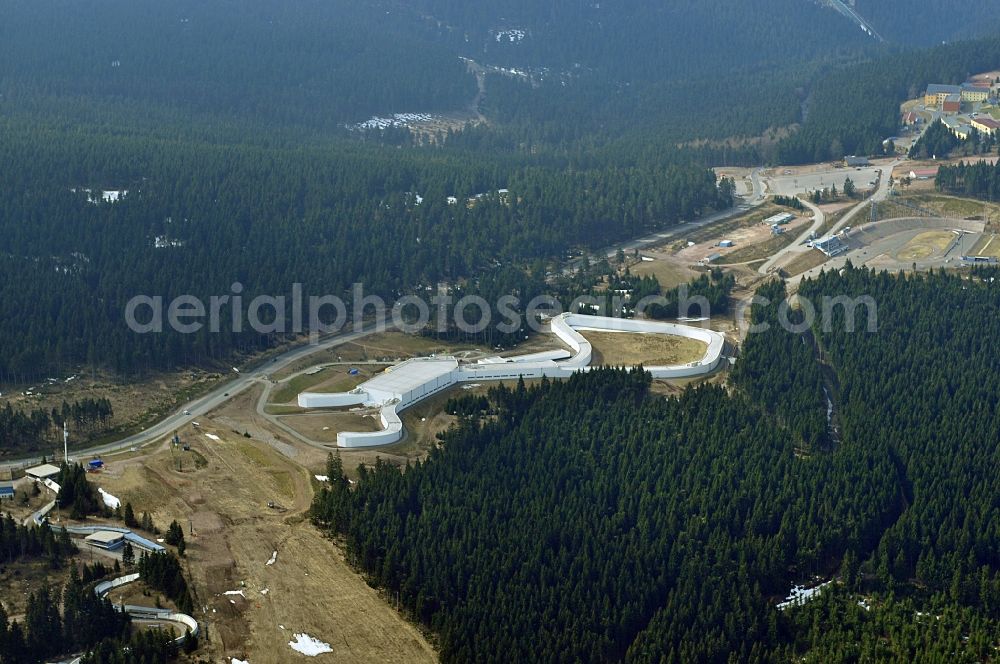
(44, 470)
(410, 375)
(104, 536)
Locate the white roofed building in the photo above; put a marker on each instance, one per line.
(43, 472)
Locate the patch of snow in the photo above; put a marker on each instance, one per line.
(800, 595)
(309, 646)
(235, 592)
(274, 556)
(518, 73)
(265, 591)
(109, 500)
(164, 242)
(239, 661)
(511, 36)
(213, 436)
(322, 478)
(397, 120)
(232, 601)
(160, 540)
(281, 626)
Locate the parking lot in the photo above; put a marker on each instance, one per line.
(800, 183)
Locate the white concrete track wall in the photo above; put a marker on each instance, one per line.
(417, 379)
(338, 400)
(392, 431)
(146, 612)
(713, 341)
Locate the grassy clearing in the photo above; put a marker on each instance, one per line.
(235, 533)
(953, 206)
(136, 405)
(926, 244)
(19, 580)
(323, 426)
(288, 392)
(760, 250)
(621, 349)
(668, 273)
(987, 245)
(805, 262)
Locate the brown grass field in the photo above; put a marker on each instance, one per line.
(329, 379)
(323, 426)
(760, 250)
(929, 243)
(310, 588)
(953, 206)
(394, 346)
(669, 272)
(804, 262)
(987, 245)
(135, 405)
(618, 349)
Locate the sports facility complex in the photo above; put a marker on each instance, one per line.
(915, 243)
(407, 383)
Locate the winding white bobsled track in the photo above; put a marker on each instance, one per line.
(146, 612)
(407, 383)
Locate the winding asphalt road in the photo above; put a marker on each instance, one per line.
(259, 373)
(798, 246)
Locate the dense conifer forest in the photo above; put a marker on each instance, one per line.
(979, 179)
(589, 520)
(232, 175)
(218, 149)
(925, 24)
(270, 218)
(22, 429)
(63, 620)
(853, 109)
(19, 541)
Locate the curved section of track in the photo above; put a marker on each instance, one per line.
(146, 613)
(412, 381)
